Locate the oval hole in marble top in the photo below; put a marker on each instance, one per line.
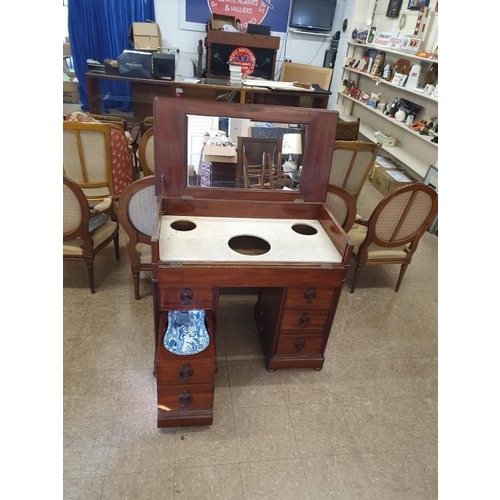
(304, 229)
(183, 225)
(249, 245)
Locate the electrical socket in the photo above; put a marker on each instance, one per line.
(175, 50)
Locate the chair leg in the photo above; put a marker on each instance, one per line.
(355, 279)
(135, 278)
(116, 242)
(400, 278)
(90, 272)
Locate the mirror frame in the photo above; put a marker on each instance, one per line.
(171, 125)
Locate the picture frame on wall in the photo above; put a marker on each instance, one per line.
(417, 4)
(393, 8)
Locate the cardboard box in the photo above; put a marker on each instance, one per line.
(145, 36)
(70, 88)
(135, 64)
(66, 49)
(217, 21)
(386, 180)
(222, 154)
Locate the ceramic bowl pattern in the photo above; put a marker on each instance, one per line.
(186, 332)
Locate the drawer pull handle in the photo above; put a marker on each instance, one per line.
(187, 296)
(185, 397)
(304, 319)
(299, 344)
(310, 294)
(186, 372)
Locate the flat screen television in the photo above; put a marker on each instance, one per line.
(312, 15)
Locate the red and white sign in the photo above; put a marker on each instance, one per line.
(244, 57)
(247, 11)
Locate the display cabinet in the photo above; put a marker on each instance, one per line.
(414, 150)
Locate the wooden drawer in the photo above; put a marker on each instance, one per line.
(183, 397)
(186, 298)
(305, 320)
(308, 296)
(295, 343)
(185, 371)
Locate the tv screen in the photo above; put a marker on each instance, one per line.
(312, 15)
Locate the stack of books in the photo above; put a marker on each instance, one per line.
(235, 74)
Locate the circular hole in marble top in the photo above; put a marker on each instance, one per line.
(304, 229)
(183, 225)
(249, 245)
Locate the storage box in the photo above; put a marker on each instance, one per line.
(386, 180)
(135, 64)
(145, 36)
(66, 49)
(70, 89)
(222, 154)
(217, 21)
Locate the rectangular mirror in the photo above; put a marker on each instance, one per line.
(229, 150)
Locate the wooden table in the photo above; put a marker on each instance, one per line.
(144, 90)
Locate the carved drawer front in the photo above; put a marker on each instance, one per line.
(200, 371)
(309, 296)
(305, 320)
(184, 397)
(295, 343)
(186, 298)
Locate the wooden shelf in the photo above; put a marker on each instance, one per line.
(414, 164)
(378, 80)
(409, 55)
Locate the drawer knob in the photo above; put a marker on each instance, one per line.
(187, 296)
(185, 398)
(310, 294)
(304, 319)
(186, 372)
(299, 344)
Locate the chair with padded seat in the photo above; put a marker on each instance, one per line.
(98, 157)
(393, 231)
(136, 213)
(86, 231)
(347, 130)
(351, 164)
(342, 206)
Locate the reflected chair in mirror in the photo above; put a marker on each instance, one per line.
(86, 231)
(342, 206)
(254, 176)
(136, 213)
(98, 157)
(393, 231)
(274, 172)
(147, 152)
(351, 164)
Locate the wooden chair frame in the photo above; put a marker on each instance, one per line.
(87, 239)
(146, 166)
(347, 215)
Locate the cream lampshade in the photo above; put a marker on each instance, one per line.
(292, 145)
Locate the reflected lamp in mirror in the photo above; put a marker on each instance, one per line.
(292, 146)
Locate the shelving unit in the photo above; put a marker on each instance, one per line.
(414, 151)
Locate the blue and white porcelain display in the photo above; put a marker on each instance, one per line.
(186, 332)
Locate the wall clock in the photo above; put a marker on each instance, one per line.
(393, 8)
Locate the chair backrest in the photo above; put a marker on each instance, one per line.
(147, 152)
(294, 72)
(342, 206)
(76, 213)
(351, 164)
(97, 158)
(402, 217)
(347, 131)
(136, 211)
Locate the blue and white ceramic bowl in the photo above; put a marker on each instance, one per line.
(186, 332)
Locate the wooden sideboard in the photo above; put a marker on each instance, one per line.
(144, 90)
(299, 277)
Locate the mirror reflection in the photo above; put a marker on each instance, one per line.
(241, 153)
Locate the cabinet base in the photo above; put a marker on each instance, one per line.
(276, 363)
(183, 418)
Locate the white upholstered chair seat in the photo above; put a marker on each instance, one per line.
(357, 234)
(73, 247)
